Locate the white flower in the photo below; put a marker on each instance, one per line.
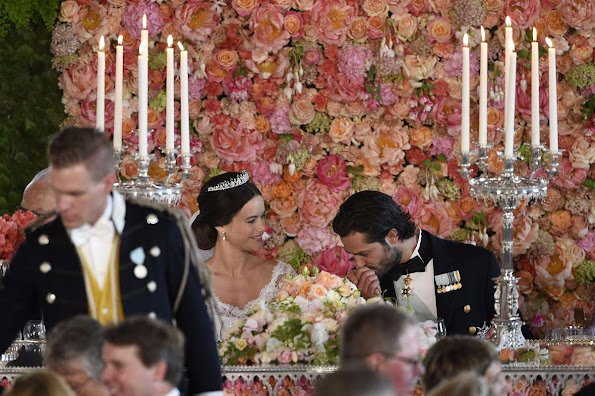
(273, 344)
(319, 335)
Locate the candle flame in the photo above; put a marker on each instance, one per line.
(549, 42)
(508, 22)
(534, 34)
(170, 41)
(465, 40)
(181, 46)
(101, 43)
(483, 34)
(144, 21)
(120, 39)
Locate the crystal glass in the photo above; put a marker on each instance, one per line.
(440, 328)
(34, 331)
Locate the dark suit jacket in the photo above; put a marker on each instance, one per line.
(478, 267)
(467, 309)
(60, 292)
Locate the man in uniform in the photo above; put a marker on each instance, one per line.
(433, 277)
(109, 258)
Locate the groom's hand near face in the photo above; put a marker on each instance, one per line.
(366, 281)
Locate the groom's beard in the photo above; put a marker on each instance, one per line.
(392, 256)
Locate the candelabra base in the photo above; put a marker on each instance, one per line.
(168, 195)
(507, 324)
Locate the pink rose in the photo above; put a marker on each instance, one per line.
(294, 24)
(236, 143)
(321, 203)
(303, 5)
(332, 172)
(523, 13)
(269, 33)
(418, 7)
(196, 21)
(80, 81)
(335, 261)
(332, 18)
(314, 239)
(68, 9)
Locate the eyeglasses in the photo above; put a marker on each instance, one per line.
(417, 362)
(37, 213)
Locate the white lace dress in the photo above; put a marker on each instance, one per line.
(228, 314)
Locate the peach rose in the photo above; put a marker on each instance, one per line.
(439, 30)
(418, 7)
(310, 33)
(244, 7)
(281, 190)
(420, 137)
(406, 26)
(129, 168)
(341, 130)
(283, 4)
(493, 5)
(555, 24)
(561, 219)
(303, 5)
(226, 59)
(154, 119)
(495, 117)
(375, 27)
(359, 29)
(68, 10)
(291, 224)
(284, 207)
(293, 23)
(261, 124)
(79, 82)
(553, 200)
(375, 8)
(419, 68)
(301, 111)
(317, 291)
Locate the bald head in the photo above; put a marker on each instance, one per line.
(38, 196)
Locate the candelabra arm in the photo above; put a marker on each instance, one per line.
(172, 167)
(554, 163)
(118, 164)
(482, 158)
(465, 165)
(143, 170)
(186, 174)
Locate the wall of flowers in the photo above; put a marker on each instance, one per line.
(321, 98)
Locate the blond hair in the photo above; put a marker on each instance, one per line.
(39, 383)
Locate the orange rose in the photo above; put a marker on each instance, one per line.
(407, 26)
(244, 7)
(128, 126)
(495, 117)
(261, 124)
(156, 76)
(282, 190)
(420, 137)
(154, 119)
(554, 22)
(341, 130)
(293, 24)
(495, 165)
(561, 219)
(226, 59)
(127, 40)
(376, 8)
(284, 207)
(359, 29)
(288, 177)
(309, 168)
(301, 111)
(291, 224)
(541, 27)
(567, 301)
(439, 30)
(214, 72)
(375, 27)
(467, 205)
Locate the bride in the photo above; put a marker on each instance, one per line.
(229, 229)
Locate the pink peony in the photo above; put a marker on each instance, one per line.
(332, 18)
(261, 173)
(80, 81)
(579, 14)
(409, 199)
(354, 61)
(321, 204)
(523, 13)
(435, 219)
(448, 112)
(196, 21)
(569, 177)
(335, 261)
(344, 89)
(269, 32)
(134, 16)
(236, 143)
(332, 172)
(314, 239)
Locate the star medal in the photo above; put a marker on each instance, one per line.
(406, 290)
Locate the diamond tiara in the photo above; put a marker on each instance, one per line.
(234, 182)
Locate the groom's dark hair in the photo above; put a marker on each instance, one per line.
(373, 214)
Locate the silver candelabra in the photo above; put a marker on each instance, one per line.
(507, 191)
(168, 192)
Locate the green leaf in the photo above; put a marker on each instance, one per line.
(589, 183)
(523, 54)
(441, 158)
(427, 162)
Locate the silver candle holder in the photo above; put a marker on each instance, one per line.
(168, 192)
(507, 191)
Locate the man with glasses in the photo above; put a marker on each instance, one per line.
(38, 196)
(383, 338)
(73, 351)
(108, 257)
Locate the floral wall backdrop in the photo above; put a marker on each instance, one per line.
(321, 98)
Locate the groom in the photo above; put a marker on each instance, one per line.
(434, 277)
(107, 257)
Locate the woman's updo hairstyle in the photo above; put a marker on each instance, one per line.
(217, 207)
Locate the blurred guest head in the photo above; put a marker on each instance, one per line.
(354, 381)
(232, 212)
(467, 383)
(455, 354)
(143, 357)
(373, 227)
(73, 351)
(38, 196)
(385, 339)
(39, 383)
(81, 174)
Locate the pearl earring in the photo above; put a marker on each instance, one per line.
(223, 237)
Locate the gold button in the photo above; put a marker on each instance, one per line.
(50, 298)
(467, 308)
(472, 330)
(43, 239)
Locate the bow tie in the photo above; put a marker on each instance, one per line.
(416, 264)
(103, 228)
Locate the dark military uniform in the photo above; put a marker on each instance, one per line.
(471, 306)
(46, 274)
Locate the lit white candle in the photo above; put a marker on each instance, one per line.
(185, 131)
(144, 34)
(508, 44)
(465, 94)
(118, 96)
(100, 102)
(169, 112)
(483, 91)
(142, 101)
(509, 116)
(553, 96)
(534, 91)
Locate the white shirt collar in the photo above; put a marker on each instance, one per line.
(119, 211)
(416, 250)
(114, 212)
(173, 392)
